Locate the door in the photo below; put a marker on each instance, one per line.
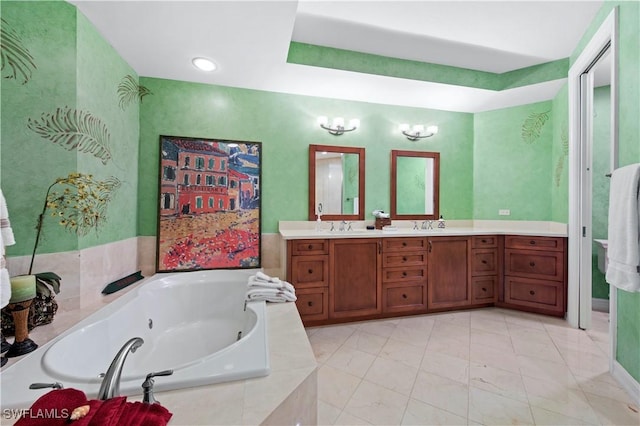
(355, 270)
(449, 275)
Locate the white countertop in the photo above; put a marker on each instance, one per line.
(290, 230)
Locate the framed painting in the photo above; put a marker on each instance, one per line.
(209, 204)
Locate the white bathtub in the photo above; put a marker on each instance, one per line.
(192, 322)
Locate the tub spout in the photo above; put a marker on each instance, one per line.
(110, 386)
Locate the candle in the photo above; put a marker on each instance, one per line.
(23, 287)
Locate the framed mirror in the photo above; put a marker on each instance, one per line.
(336, 182)
(415, 185)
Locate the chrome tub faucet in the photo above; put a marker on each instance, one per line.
(110, 386)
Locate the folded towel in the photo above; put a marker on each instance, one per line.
(55, 407)
(623, 270)
(280, 285)
(270, 295)
(261, 276)
(6, 233)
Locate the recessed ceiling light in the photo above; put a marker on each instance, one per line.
(204, 64)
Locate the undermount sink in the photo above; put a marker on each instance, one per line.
(603, 260)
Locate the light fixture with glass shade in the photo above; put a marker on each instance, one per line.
(417, 131)
(337, 127)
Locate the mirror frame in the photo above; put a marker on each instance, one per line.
(436, 183)
(312, 181)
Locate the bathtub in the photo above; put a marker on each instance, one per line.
(195, 323)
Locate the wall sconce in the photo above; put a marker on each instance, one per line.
(417, 131)
(337, 127)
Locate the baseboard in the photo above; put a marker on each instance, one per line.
(627, 381)
(600, 305)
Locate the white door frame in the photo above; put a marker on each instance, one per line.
(580, 145)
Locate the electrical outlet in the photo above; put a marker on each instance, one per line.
(504, 212)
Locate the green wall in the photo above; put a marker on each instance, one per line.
(628, 309)
(512, 161)
(286, 125)
(560, 156)
(75, 80)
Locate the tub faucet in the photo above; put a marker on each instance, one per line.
(110, 386)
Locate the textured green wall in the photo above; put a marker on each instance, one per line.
(100, 71)
(286, 125)
(76, 70)
(600, 167)
(512, 162)
(628, 332)
(560, 156)
(29, 163)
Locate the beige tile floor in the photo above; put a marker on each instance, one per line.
(490, 366)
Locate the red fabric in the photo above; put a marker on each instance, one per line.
(55, 407)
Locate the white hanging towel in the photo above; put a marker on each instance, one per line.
(6, 239)
(623, 271)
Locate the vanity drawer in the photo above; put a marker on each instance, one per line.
(535, 264)
(534, 243)
(484, 262)
(409, 297)
(402, 244)
(547, 295)
(309, 271)
(415, 258)
(484, 289)
(416, 273)
(484, 241)
(313, 303)
(310, 247)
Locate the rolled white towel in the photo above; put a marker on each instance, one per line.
(5, 288)
(270, 295)
(280, 285)
(261, 276)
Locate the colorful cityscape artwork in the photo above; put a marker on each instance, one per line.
(209, 212)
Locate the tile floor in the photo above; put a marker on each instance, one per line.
(490, 366)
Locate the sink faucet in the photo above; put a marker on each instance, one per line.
(342, 224)
(427, 224)
(110, 386)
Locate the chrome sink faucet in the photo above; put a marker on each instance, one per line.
(110, 386)
(342, 224)
(427, 224)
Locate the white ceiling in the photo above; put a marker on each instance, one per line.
(249, 41)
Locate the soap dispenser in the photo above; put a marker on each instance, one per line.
(441, 222)
(319, 220)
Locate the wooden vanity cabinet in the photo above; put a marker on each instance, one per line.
(354, 269)
(486, 262)
(535, 274)
(308, 271)
(404, 275)
(449, 274)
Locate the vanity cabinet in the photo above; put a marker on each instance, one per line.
(485, 267)
(308, 271)
(449, 276)
(535, 274)
(355, 267)
(348, 279)
(404, 275)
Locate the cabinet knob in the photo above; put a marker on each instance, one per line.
(404, 259)
(484, 241)
(532, 242)
(310, 271)
(310, 247)
(404, 274)
(404, 244)
(484, 261)
(484, 289)
(532, 264)
(531, 292)
(310, 303)
(404, 296)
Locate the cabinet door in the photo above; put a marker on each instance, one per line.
(355, 269)
(449, 277)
